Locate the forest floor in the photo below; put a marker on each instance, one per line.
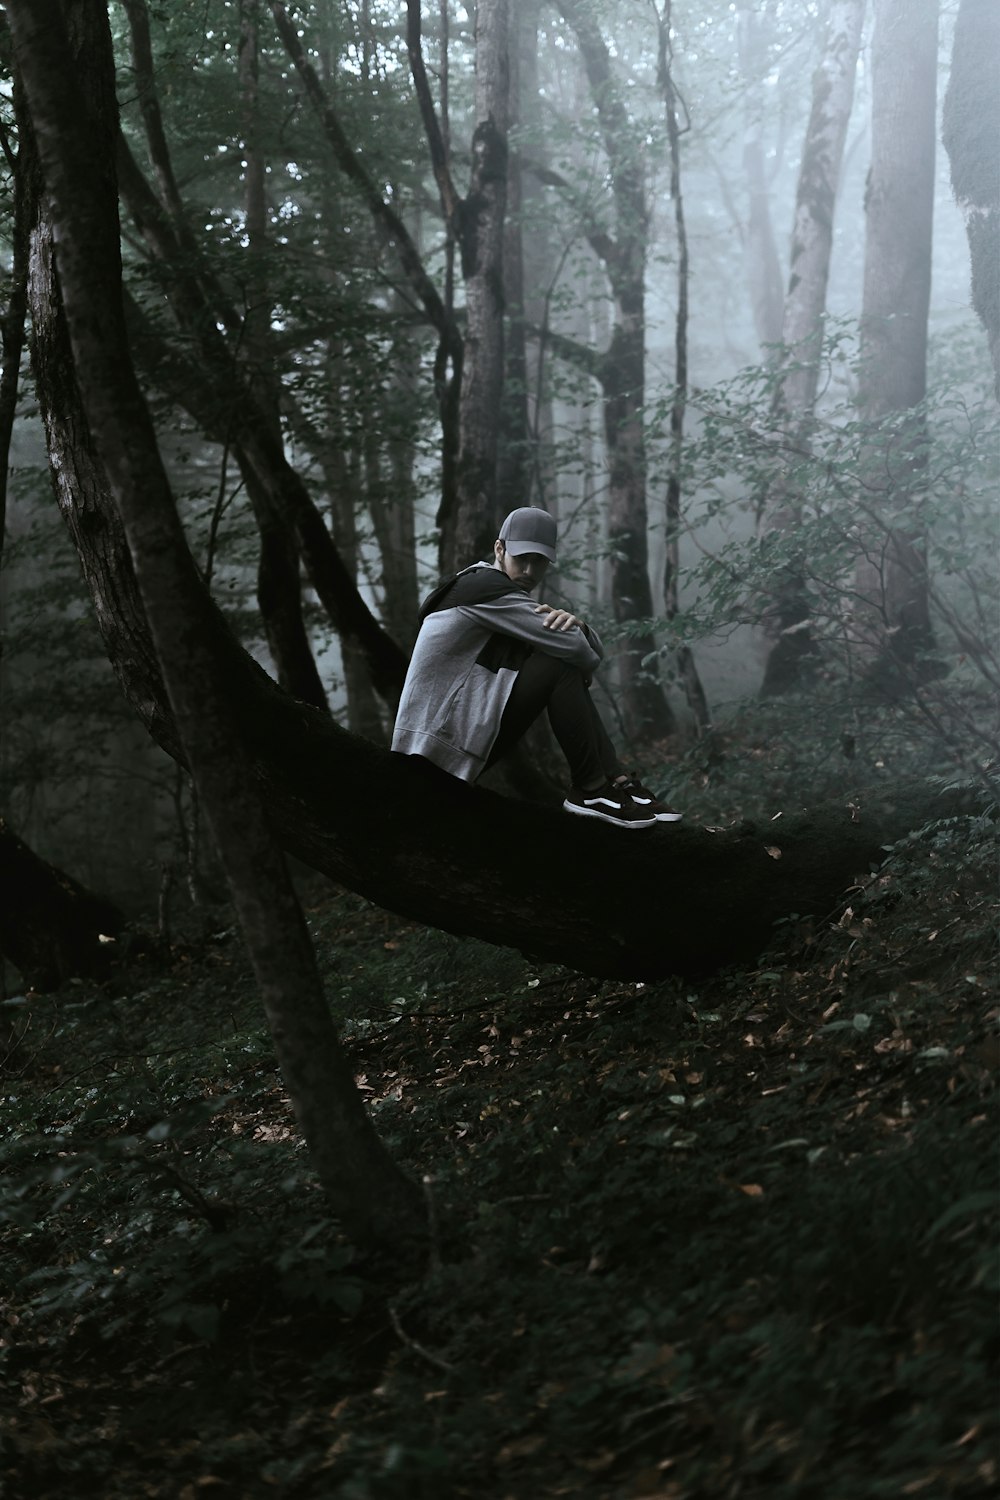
(730, 1239)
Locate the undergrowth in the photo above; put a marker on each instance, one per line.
(734, 1239)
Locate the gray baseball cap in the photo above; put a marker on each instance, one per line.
(529, 529)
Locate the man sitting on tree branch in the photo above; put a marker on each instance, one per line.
(487, 662)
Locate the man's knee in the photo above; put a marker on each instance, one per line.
(550, 668)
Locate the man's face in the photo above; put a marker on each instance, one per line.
(528, 569)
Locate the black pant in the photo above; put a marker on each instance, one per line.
(545, 682)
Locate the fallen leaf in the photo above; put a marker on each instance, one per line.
(519, 1448)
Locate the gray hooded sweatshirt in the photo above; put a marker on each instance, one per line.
(477, 630)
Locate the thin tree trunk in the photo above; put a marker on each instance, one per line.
(895, 627)
(791, 653)
(12, 344)
(481, 220)
(971, 136)
(687, 671)
(815, 203)
(514, 451)
(541, 265)
(342, 472)
(279, 585)
(754, 27)
(55, 45)
(396, 524)
(279, 598)
(623, 377)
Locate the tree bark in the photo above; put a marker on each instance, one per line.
(623, 378)
(687, 670)
(815, 202)
(893, 626)
(899, 206)
(56, 42)
(792, 649)
(279, 582)
(12, 326)
(513, 483)
(527, 459)
(473, 527)
(395, 522)
(760, 247)
(971, 136)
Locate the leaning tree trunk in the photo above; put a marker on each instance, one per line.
(791, 653)
(893, 626)
(55, 44)
(51, 927)
(971, 135)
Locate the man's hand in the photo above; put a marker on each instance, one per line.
(558, 619)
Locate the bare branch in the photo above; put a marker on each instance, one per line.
(450, 200)
(386, 219)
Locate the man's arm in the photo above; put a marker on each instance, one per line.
(517, 616)
(562, 619)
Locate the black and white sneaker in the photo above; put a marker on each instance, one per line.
(612, 804)
(648, 801)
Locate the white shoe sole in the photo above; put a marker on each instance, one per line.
(664, 817)
(594, 812)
